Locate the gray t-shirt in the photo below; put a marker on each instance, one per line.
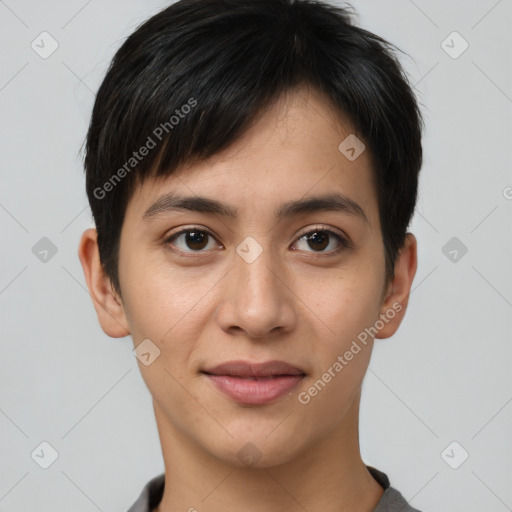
(391, 500)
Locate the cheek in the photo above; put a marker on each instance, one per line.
(344, 304)
(342, 355)
(167, 309)
(162, 301)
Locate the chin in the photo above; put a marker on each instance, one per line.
(257, 451)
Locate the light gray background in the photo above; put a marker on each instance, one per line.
(444, 377)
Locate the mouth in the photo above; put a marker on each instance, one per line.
(255, 383)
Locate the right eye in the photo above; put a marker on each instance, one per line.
(190, 240)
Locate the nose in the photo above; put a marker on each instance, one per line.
(257, 298)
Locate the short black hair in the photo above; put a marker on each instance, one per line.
(190, 80)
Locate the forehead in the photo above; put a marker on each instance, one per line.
(291, 151)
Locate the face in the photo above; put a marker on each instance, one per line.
(261, 282)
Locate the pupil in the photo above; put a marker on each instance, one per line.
(199, 239)
(315, 239)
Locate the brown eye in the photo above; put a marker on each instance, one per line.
(320, 239)
(190, 240)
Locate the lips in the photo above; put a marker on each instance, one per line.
(245, 369)
(254, 383)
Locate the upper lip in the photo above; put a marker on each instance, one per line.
(248, 369)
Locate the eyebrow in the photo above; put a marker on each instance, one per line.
(172, 202)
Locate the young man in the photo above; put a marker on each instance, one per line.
(252, 169)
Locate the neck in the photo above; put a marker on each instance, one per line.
(328, 476)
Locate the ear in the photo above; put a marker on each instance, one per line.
(107, 303)
(397, 294)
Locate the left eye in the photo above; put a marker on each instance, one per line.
(319, 239)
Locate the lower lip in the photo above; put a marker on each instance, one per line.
(255, 391)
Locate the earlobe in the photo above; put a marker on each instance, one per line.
(108, 305)
(397, 296)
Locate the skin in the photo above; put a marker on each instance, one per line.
(298, 302)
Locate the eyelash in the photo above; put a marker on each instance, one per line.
(343, 242)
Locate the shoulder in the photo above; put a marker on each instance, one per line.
(150, 496)
(391, 500)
